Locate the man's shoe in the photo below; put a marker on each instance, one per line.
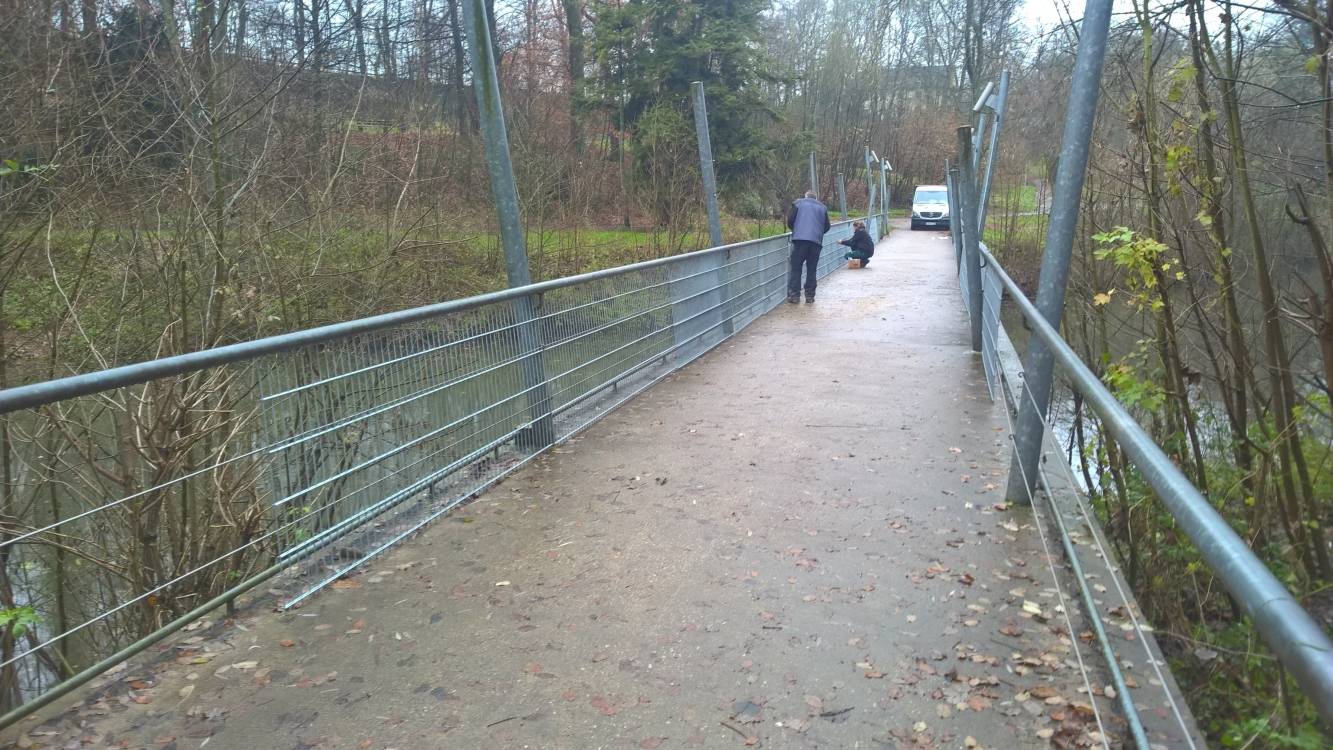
(810, 299)
(793, 299)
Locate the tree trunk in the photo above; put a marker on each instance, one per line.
(462, 104)
(1294, 473)
(298, 29)
(356, 11)
(574, 29)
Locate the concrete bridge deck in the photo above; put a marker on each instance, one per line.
(798, 541)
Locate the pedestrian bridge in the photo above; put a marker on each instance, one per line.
(794, 535)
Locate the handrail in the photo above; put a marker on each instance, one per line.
(48, 392)
(1299, 642)
(458, 417)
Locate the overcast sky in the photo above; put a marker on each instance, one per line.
(1039, 14)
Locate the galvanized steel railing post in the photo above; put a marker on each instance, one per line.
(486, 84)
(951, 184)
(1037, 364)
(980, 110)
(967, 222)
(706, 163)
(883, 187)
(1001, 99)
(888, 202)
(870, 186)
(710, 193)
(842, 196)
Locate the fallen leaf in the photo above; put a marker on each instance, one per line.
(1043, 692)
(603, 706)
(286, 643)
(651, 743)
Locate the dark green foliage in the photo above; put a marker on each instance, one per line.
(649, 51)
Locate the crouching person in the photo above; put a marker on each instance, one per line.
(862, 247)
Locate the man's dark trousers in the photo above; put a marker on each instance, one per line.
(803, 253)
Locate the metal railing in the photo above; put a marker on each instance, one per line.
(1296, 639)
(141, 496)
(1298, 642)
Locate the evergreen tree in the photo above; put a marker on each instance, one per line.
(649, 51)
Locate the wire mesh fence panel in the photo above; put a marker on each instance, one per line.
(992, 296)
(122, 510)
(148, 493)
(1112, 482)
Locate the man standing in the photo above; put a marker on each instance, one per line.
(808, 221)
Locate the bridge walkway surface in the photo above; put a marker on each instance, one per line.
(798, 541)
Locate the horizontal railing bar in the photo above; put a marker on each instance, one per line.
(412, 397)
(129, 375)
(40, 394)
(509, 470)
(74, 682)
(115, 503)
(506, 327)
(597, 389)
(362, 416)
(431, 434)
(405, 493)
(1297, 640)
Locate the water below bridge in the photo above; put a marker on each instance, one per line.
(797, 541)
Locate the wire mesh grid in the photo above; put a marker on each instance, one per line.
(1107, 605)
(121, 510)
(992, 295)
(128, 507)
(379, 437)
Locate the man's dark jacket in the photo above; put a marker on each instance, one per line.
(808, 220)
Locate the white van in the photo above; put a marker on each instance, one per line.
(930, 207)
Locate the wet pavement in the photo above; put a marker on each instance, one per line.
(798, 541)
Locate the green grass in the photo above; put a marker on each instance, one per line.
(1017, 198)
(1009, 229)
